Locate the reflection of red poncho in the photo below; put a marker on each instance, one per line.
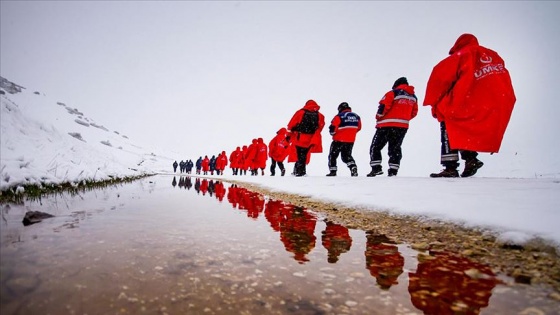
(442, 282)
(336, 240)
(471, 91)
(297, 232)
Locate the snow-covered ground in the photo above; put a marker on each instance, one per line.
(44, 140)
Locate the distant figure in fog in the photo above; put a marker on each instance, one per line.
(198, 165)
(175, 164)
(205, 165)
(261, 156)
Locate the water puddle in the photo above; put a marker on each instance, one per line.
(187, 245)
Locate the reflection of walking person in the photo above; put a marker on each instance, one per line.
(472, 97)
(396, 109)
(383, 259)
(306, 126)
(336, 240)
(343, 129)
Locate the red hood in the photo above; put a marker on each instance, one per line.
(462, 42)
(311, 105)
(282, 131)
(407, 88)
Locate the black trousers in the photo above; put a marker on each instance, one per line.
(344, 149)
(300, 166)
(449, 157)
(273, 165)
(392, 135)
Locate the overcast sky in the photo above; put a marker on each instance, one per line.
(202, 77)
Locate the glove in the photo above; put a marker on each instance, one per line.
(332, 130)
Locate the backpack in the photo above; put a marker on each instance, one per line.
(309, 122)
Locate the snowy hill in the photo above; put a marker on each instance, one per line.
(44, 140)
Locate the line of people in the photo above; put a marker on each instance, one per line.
(470, 94)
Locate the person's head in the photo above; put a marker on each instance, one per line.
(343, 106)
(400, 81)
(463, 41)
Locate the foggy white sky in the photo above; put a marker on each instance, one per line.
(202, 77)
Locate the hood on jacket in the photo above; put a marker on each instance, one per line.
(311, 105)
(260, 140)
(282, 131)
(462, 42)
(405, 87)
(399, 81)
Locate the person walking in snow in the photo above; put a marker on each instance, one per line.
(261, 156)
(212, 164)
(175, 164)
(395, 110)
(189, 166)
(234, 160)
(472, 98)
(343, 129)
(205, 165)
(251, 156)
(198, 165)
(278, 151)
(221, 163)
(305, 127)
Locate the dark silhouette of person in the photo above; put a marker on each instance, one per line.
(174, 182)
(383, 259)
(336, 240)
(188, 183)
(449, 284)
(197, 185)
(175, 164)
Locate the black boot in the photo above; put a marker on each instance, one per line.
(392, 172)
(354, 171)
(375, 170)
(471, 166)
(332, 173)
(283, 172)
(447, 172)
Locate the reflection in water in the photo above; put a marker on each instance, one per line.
(104, 253)
(185, 182)
(197, 185)
(297, 228)
(448, 284)
(336, 240)
(204, 186)
(174, 182)
(295, 224)
(246, 200)
(383, 259)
